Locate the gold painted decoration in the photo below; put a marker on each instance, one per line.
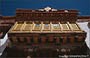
(37, 27)
(56, 27)
(44, 27)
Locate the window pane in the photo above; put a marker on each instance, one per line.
(56, 26)
(37, 27)
(46, 27)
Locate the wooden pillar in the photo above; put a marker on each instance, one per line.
(35, 39)
(57, 40)
(14, 39)
(51, 39)
(64, 40)
(43, 39)
(72, 39)
(21, 39)
(28, 39)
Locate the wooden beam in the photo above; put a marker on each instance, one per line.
(83, 19)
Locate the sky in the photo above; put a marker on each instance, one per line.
(8, 7)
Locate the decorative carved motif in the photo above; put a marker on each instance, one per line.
(46, 14)
(47, 9)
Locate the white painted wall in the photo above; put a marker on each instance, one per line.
(84, 27)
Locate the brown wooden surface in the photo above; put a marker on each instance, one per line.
(35, 15)
(83, 19)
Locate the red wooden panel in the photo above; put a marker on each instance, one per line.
(80, 38)
(21, 39)
(35, 39)
(43, 39)
(64, 40)
(51, 38)
(57, 40)
(28, 39)
(72, 39)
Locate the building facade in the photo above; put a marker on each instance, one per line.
(42, 31)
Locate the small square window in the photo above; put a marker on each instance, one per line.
(46, 26)
(56, 26)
